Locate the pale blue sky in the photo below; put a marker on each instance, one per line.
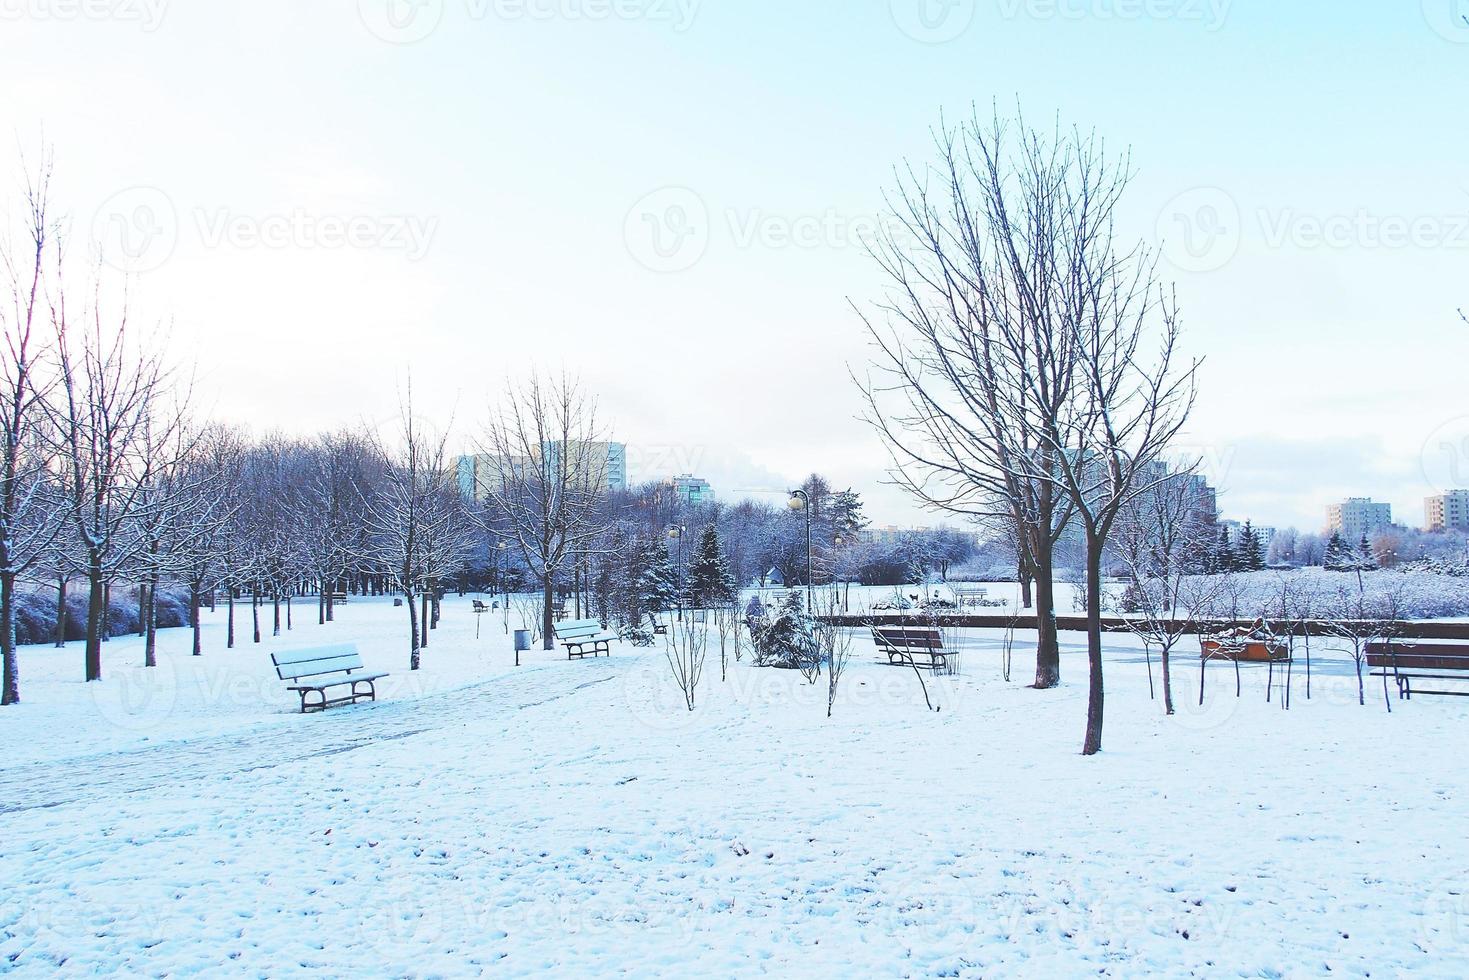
(502, 178)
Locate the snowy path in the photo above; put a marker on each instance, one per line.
(92, 777)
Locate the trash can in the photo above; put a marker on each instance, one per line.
(522, 640)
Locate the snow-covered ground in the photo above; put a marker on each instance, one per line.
(572, 818)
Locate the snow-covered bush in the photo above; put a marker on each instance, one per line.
(788, 640)
(1410, 594)
(35, 612)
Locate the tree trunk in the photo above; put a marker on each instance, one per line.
(1027, 599)
(289, 596)
(61, 583)
(194, 618)
(96, 597)
(1095, 693)
(148, 613)
(414, 656)
(143, 608)
(548, 623)
(255, 613)
(321, 606)
(424, 600)
(10, 672)
(1048, 645)
(106, 611)
(1167, 681)
(229, 629)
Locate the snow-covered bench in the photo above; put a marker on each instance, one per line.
(1407, 662)
(320, 669)
(578, 634)
(909, 646)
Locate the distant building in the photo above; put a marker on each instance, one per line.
(1447, 511)
(481, 474)
(1358, 517)
(691, 489)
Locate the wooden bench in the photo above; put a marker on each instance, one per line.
(910, 646)
(1409, 662)
(578, 634)
(319, 669)
(479, 606)
(338, 598)
(659, 629)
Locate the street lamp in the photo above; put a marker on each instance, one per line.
(676, 533)
(801, 500)
(504, 583)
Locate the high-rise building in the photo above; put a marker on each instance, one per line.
(1357, 517)
(1447, 511)
(691, 489)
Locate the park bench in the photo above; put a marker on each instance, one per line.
(1409, 662)
(659, 629)
(320, 669)
(578, 634)
(479, 606)
(912, 646)
(338, 598)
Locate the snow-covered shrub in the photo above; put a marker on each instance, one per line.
(788, 640)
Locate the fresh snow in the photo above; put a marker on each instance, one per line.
(572, 818)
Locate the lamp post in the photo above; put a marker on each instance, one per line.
(801, 500)
(845, 586)
(676, 533)
(504, 583)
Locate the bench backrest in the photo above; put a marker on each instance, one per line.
(1418, 656)
(577, 629)
(291, 665)
(909, 637)
(479, 606)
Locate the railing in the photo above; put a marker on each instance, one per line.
(1114, 624)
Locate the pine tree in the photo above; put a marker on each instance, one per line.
(1335, 557)
(1225, 559)
(1251, 555)
(710, 581)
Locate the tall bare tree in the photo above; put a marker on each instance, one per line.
(28, 506)
(114, 398)
(973, 355)
(407, 520)
(547, 461)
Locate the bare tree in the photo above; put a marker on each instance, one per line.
(1160, 539)
(684, 647)
(406, 515)
(548, 474)
(975, 361)
(29, 523)
(112, 402)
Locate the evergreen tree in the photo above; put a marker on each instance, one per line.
(710, 581)
(1251, 555)
(1225, 559)
(1336, 557)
